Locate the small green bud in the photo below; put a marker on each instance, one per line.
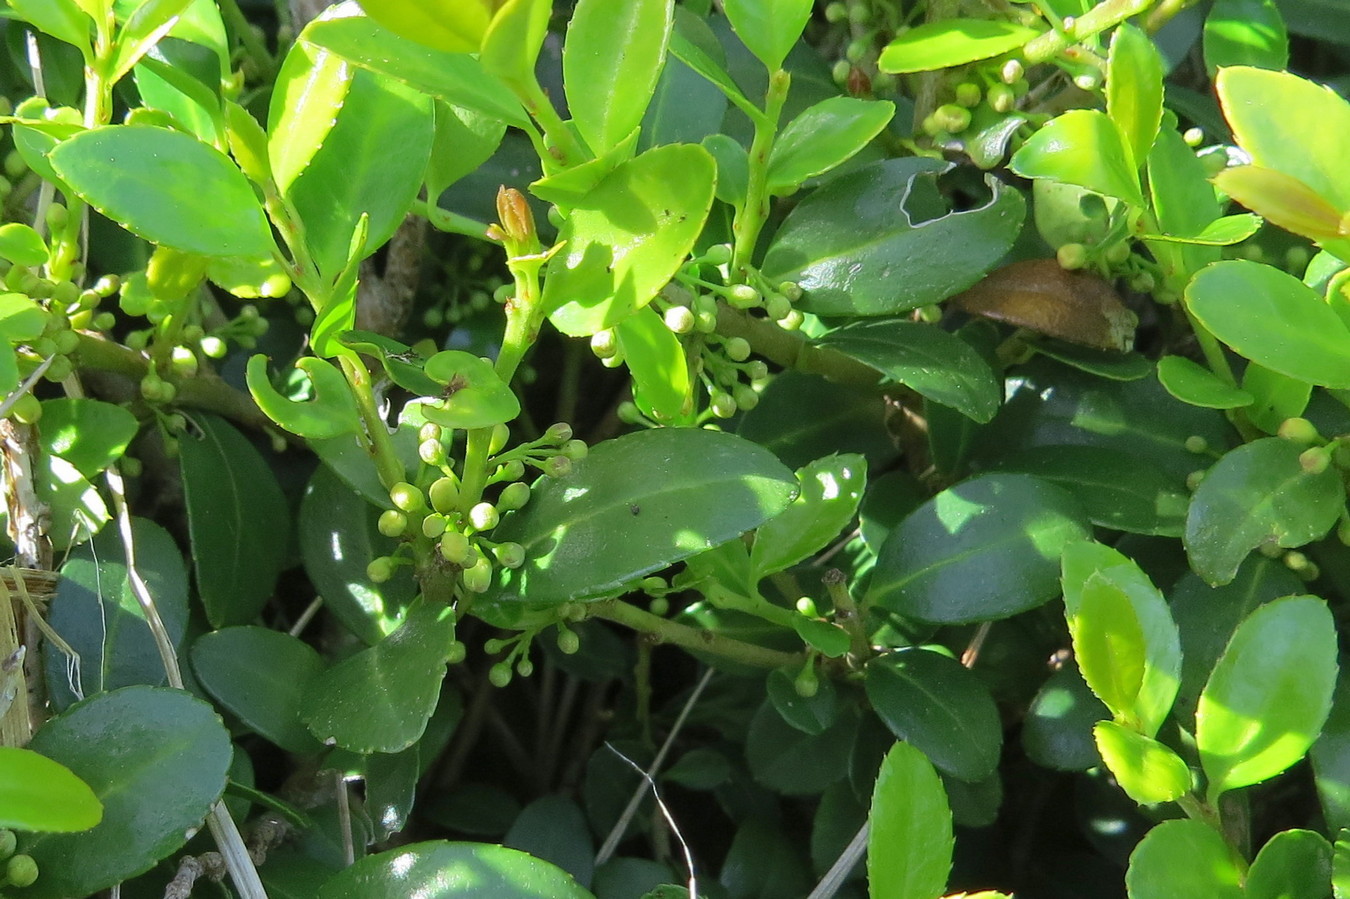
(514, 496)
(1072, 256)
(1001, 98)
(456, 653)
(745, 396)
(107, 285)
(1295, 560)
(213, 347)
(574, 449)
(1194, 478)
(484, 516)
(184, 361)
(807, 684)
(738, 349)
(558, 467)
(1193, 137)
(628, 413)
(612, 361)
(429, 431)
(434, 525)
(836, 13)
(558, 433)
(757, 370)
(1315, 460)
(604, 343)
(840, 72)
(1197, 444)
(8, 843)
(717, 254)
(1012, 71)
(105, 321)
(723, 405)
(1118, 252)
(478, 578)
(500, 434)
(511, 471)
(21, 870)
(856, 51)
(1299, 430)
(568, 641)
(509, 555)
(653, 585)
(57, 217)
(792, 290)
(792, 321)
(807, 606)
(392, 523)
(705, 322)
(777, 306)
(444, 493)
(407, 497)
(432, 452)
(455, 548)
(500, 674)
(27, 409)
(680, 319)
(380, 569)
(968, 94)
(744, 296)
(524, 667)
(1270, 550)
(659, 606)
(61, 368)
(1088, 81)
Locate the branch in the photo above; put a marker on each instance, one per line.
(664, 630)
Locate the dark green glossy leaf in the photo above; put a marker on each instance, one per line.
(1184, 858)
(611, 62)
(762, 863)
(909, 848)
(792, 761)
(456, 78)
(1057, 732)
(801, 418)
(951, 42)
(1081, 147)
(685, 107)
(672, 493)
(96, 612)
(1148, 771)
(379, 700)
(823, 137)
(1134, 90)
(768, 27)
(984, 549)
(1110, 364)
(441, 870)
(1257, 494)
(1245, 33)
(260, 675)
(391, 788)
(882, 240)
(1293, 863)
(628, 238)
(156, 758)
(1269, 695)
(1192, 383)
(37, 793)
(938, 365)
(338, 539)
(933, 702)
(237, 519)
(1274, 319)
(464, 139)
(553, 829)
(830, 491)
(89, 434)
(1117, 491)
(192, 199)
(809, 714)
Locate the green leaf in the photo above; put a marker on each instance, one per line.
(97, 613)
(683, 48)
(801, 418)
(1273, 319)
(480, 871)
(809, 714)
(141, 31)
(655, 357)
(448, 26)
(1117, 490)
(1081, 147)
(62, 19)
(237, 520)
(762, 863)
(1184, 202)
(1134, 90)
(89, 434)
(1275, 397)
(1125, 640)
(354, 174)
(909, 846)
(935, 703)
(465, 139)
(22, 245)
(379, 699)
(1057, 732)
(1192, 383)
(37, 793)
(629, 238)
(611, 63)
(21, 318)
(768, 27)
(192, 199)
(391, 788)
(1245, 33)
(553, 829)
(1184, 858)
(1340, 866)
(831, 489)
(822, 137)
(156, 758)
(1222, 232)
(456, 78)
(882, 240)
(1255, 495)
(936, 364)
(1146, 770)
(685, 107)
(331, 412)
(1293, 863)
(473, 394)
(183, 79)
(511, 45)
(310, 89)
(338, 539)
(951, 42)
(260, 675)
(984, 549)
(1269, 695)
(716, 485)
(77, 510)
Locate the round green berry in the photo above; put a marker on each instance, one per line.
(444, 494)
(1072, 256)
(392, 523)
(456, 652)
(500, 674)
(574, 449)
(680, 319)
(524, 667)
(514, 496)
(477, 578)
(509, 555)
(9, 842)
(380, 569)
(27, 409)
(434, 525)
(21, 870)
(407, 497)
(744, 296)
(455, 548)
(558, 433)
(568, 641)
(484, 516)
